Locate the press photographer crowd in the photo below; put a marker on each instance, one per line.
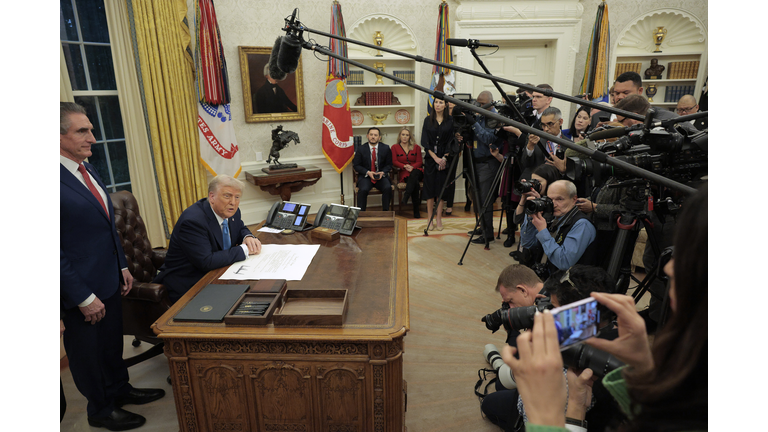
(579, 354)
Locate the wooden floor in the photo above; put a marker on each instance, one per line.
(443, 350)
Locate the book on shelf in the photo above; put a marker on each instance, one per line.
(355, 77)
(683, 69)
(626, 67)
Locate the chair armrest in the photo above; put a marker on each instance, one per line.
(150, 292)
(158, 257)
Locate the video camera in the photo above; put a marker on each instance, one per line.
(675, 152)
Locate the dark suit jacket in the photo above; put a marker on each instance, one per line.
(266, 100)
(196, 248)
(362, 159)
(91, 254)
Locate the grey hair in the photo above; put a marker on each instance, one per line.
(570, 187)
(224, 180)
(266, 70)
(67, 108)
(553, 111)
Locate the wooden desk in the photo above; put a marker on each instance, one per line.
(284, 184)
(266, 378)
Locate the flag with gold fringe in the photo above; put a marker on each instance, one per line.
(337, 120)
(443, 79)
(595, 81)
(219, 153)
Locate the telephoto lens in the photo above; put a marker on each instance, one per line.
(493, 357)
(536, 205)
(582, 356)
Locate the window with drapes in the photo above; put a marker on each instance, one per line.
(85, 41)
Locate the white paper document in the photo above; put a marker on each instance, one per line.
(288, 262)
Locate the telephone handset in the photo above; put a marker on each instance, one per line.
(288, 215)
(338, 217)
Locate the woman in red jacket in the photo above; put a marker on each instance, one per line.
(406, 156)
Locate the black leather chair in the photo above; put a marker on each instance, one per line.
(147, 301)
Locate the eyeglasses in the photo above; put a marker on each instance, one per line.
(548, 125)
(685, 110)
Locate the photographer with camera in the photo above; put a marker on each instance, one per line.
(566, 239)
(487, 160)
(518, 286)
(663, 387)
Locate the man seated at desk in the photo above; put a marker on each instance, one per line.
(206, 237)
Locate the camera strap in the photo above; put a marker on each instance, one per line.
(482, 376)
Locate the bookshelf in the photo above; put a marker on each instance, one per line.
(684, 55)
(398, 36)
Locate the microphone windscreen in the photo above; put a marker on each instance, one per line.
(456, 42)
(290, 51)
(274, 72)
(608, 133)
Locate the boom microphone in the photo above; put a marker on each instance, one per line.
(290, 51)
(274, 71)
(472, 43)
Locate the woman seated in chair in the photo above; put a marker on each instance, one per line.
(406, 157)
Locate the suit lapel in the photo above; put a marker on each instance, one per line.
(213, 223)
(69, 180)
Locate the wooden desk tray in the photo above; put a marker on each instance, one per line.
(312, 307)
(272, 298)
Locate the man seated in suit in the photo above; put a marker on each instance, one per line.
(208, 235)
(94, 275)
(373, 172)
(686, 106)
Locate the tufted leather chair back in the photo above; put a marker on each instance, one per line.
(133, 235)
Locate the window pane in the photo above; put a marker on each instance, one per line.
(93, 20)
(110, 116)
(124, 187)
(100, 67)
(75, 67)
(119, 159)
(89, 103)
(99, 160)
(67, 26)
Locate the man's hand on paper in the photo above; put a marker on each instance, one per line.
(254, 245)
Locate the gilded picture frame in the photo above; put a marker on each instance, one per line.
(263, 102)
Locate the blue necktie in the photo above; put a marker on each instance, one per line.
(227, 240)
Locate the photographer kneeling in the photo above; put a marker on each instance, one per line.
(567, 238)
(661, 388)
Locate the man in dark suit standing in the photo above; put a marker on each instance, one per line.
(210, 234)
(373, 172)
(94, 274)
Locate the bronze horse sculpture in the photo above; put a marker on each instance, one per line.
(280, 140)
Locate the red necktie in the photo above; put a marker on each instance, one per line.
(373, 163)
(92, 188)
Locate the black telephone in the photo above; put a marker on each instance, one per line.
(338, 217)
(288, 215)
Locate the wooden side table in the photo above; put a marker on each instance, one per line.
(284, 184)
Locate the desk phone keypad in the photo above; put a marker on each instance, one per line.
(284, 220)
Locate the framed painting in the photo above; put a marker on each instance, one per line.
(264, 99)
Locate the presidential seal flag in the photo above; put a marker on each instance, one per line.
(337, 120)
(218, 146)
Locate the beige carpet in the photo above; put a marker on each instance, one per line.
(444, 348)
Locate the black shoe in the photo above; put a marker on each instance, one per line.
(118, 420)
(516, 255)
(139, 396)
(467, 206)
(509, 241)
(506, 231)
(481, 240)
(478, 232)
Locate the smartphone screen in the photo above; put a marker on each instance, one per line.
(576, 322)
